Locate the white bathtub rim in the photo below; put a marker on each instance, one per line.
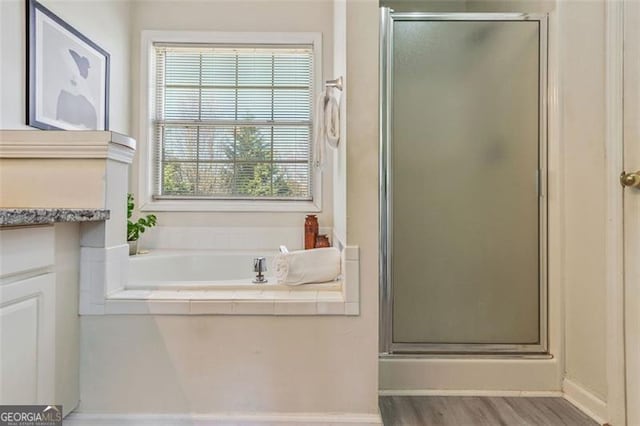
(156, 252)
(140, 302)
(232, 285)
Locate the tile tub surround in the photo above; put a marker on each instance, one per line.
(227, 302)
(31, 216)
(227, 238)
(110, 296)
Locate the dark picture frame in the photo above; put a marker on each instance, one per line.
(68, 75)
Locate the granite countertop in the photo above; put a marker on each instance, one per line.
(32, 216)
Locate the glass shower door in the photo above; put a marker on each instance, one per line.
(464, 172)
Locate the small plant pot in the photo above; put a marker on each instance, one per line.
(133, 248)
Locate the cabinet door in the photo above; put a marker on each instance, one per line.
(27, 340)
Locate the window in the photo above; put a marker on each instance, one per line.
(233, 121)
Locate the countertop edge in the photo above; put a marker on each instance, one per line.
(46, 216)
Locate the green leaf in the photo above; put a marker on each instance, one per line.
(134, 229)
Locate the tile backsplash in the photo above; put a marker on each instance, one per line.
(229, 238)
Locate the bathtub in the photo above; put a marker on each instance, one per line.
(206, 270)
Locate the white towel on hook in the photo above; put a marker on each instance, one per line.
(327, 125)
(332, 122)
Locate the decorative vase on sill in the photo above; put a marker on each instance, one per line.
(133, 248)
(310, 231)
(136, 228)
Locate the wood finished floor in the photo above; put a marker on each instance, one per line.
(480, 411)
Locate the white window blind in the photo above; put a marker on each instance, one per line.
(233, 121)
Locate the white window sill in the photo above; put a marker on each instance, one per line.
(229, 302)
(229, 206)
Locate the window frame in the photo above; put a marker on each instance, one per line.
(146, 121)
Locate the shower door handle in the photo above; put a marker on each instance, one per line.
(630, 179)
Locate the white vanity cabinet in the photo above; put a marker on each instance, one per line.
(27, 315)
(39, 323)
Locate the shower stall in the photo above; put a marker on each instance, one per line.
(463, 214)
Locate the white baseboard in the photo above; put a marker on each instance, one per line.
(458, 392)
(248, 419)
(586, 401)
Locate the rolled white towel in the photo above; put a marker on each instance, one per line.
(307, 266)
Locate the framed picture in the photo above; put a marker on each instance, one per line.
(68, 85)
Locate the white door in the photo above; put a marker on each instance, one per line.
(631, 132)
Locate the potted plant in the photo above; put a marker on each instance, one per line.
(136, 228)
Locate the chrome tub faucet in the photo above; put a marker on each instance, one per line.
(259, 267)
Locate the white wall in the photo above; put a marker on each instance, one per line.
(67, 266)
(106, 22)
(508, 6)
(425, 5)
(582, 53)
(245, 16)
(213, 364)
(340, 154)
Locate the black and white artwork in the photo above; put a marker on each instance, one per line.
(68, 87)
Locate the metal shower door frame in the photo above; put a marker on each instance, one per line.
(386, 345)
